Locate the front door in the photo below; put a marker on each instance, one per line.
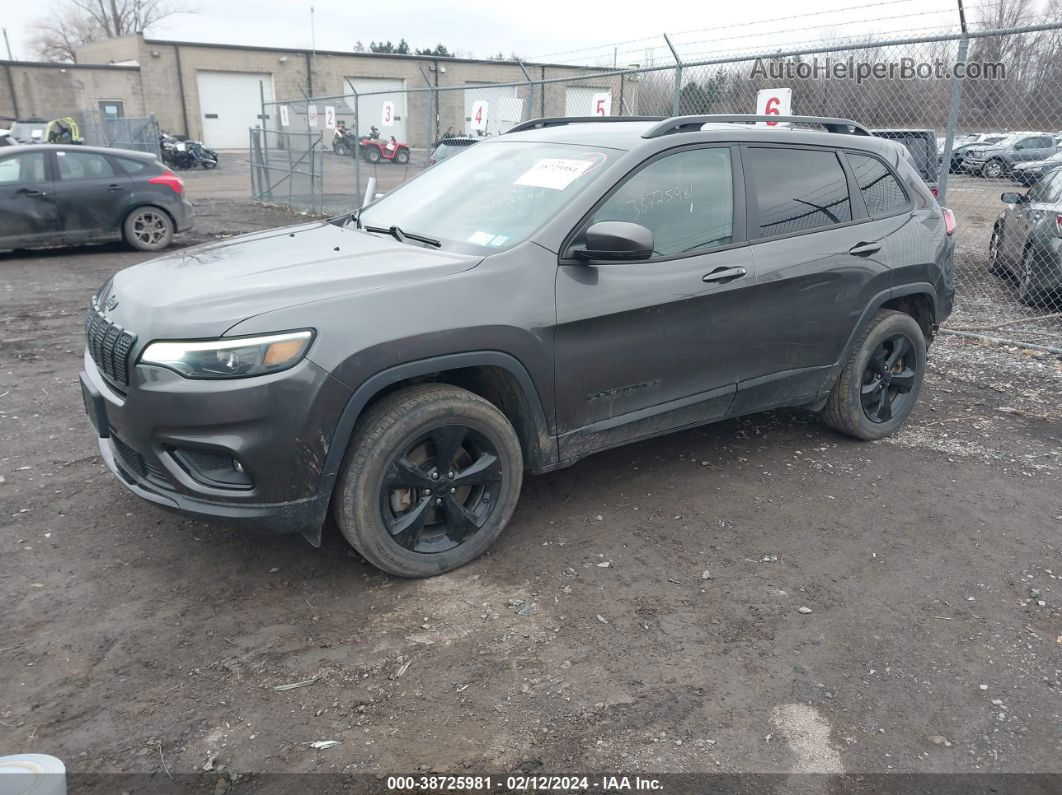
(93, 194)
(28, 211)
(644, 347)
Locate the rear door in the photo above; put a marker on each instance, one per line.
(29, 214)
(819, 259)
(643, 347)
(93, 194)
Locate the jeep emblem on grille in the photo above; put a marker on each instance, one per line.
(111, 303)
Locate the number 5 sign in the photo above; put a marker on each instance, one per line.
(773, 102)
(479, 115)
(388, 119)
(601, 105)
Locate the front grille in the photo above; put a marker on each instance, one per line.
(109, 345)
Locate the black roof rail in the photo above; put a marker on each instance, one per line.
(558, 121)
(694, 123)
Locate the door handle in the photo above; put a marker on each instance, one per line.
(114, 187)
(724, 275)
(31, 192)
(865, 249)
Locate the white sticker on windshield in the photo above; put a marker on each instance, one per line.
(499, 241)
(480, 238)
(557, 173)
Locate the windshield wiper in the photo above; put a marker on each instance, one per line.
(403, 237)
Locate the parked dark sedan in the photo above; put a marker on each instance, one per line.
(1031, 172)
(59, 195)
(1027, 240)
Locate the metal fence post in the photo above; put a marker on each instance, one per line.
(676, 100)
(530, 103)
(262, 123)
(432, 102)
(954, 105)
(357, 146)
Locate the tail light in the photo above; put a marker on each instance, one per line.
(170, 180)
(935, 192)
(1058, 225)
(949, 221)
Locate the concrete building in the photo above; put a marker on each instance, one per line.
(215, 92)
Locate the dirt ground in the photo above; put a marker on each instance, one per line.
(760, 595)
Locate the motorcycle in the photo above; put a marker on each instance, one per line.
(343, 142)
(181, 152)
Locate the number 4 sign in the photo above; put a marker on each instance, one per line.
(773, 102)
(601, 104)
(388, 117)
(479, 115)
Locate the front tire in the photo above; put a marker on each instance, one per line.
(993, 169)
(882, 379)
(431, 478)
(148, 229)
(372, 154)
(401, 157)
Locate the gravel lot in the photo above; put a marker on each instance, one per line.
(759, 595)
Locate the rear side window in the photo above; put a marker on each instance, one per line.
(796, 190)
(685, 199)
(881, 192)
(27, 168)
(131, 166)
(83, 165)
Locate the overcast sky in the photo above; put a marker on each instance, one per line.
(551, 30)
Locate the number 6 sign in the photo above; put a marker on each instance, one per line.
(773, 102)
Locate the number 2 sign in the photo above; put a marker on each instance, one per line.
(773, 102)
(330, 117)
(601, 104)
(479, 115)
(388, 118)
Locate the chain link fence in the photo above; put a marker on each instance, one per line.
(139, 133)
(980, 112)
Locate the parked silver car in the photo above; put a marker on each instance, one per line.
(1026, 241)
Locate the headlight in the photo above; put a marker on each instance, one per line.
(230, 358)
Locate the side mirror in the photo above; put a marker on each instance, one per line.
(617, 240)
(1013, 197)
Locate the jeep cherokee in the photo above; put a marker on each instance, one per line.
(567, 287)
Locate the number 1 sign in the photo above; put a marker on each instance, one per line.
(773, 102)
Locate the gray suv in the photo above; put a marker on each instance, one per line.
(998, 159)
(567, 287)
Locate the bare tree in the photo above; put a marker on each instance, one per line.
(76, 22)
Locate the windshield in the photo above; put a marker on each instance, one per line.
(496, 195)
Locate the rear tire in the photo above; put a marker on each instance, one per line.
(881, 380)
(148, 229)
(372, 154)
(407, 510)
(995, 262)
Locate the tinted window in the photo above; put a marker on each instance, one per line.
(686, 199)
(881, 192)
(794, 190)
(83, 165)
(22, 168)
(130, 166)
(1048, 188)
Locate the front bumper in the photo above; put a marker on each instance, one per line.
(279, 427)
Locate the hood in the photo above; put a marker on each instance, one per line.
(201, 292)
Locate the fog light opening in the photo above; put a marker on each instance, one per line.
(218, 469)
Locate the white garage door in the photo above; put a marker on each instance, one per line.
(230, 104)
(370, 108)
(579, 100)
(504, 109)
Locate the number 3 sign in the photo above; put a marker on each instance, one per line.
(773, 102)
(388, 119)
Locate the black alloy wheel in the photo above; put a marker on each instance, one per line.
(441, 489)
(888, 379)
